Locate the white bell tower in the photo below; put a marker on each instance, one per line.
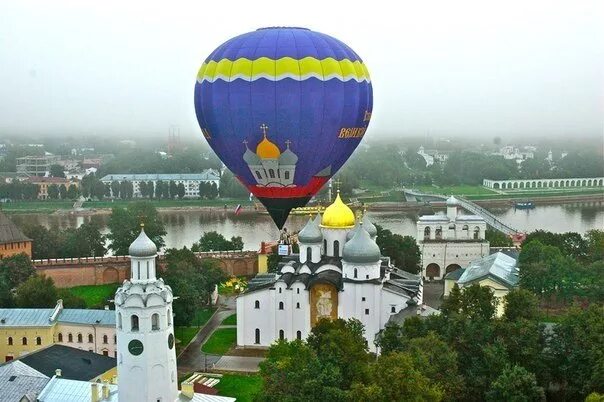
(146, 361)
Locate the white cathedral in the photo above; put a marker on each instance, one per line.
(339, 273)
(269, 166)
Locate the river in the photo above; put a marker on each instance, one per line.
(184, 227)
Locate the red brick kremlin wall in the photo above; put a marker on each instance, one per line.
(102, 270)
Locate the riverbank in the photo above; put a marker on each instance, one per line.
(480, 195)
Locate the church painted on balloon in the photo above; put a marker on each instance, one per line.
(338, 273)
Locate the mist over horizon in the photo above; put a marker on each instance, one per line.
(463, 70)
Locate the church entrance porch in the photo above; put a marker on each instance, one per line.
(451, 268)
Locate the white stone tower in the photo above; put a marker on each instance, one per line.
(146, 365)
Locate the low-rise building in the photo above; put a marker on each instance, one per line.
(190, 181)
(20, 383)
(24, 330)
(12, 239)
(498, 271)
(449, 241)
(44, 184)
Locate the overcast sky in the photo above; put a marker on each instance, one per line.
(485, 68)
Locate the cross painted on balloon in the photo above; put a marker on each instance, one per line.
(287, 143)
(264, 128)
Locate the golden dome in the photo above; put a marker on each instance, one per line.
(338, 215)
(267, 150)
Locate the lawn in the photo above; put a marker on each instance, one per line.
(230, 320)
(184, 335)
(35, 206)
(240, 386)
(221, 341)
(169, 203)
(95, 296)
(463, 190)
(202, 316)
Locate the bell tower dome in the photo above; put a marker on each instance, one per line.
(146, 361)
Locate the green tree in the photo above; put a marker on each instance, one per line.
(180, 191)
(53, 191)
(498, 239)
(63, 191)
(173, 189)
(6, 294)
(520, 304)
(395, 378)
(37, 292)
(474, 302)
(595, 244)
(16, 269)
(57, 171)
(214, 241)
(193, 280)
(115, 189)
(142, 188)
(212, 191)
(124, 225)
(72, 192)
(342, 344)
(45, 243)
(70, 300)
(403, 250)
(515, 384)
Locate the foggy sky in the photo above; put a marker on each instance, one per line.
(128, 68)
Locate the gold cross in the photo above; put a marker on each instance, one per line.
(337, 182)
(264, 129)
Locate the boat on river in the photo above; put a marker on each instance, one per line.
(528, 204)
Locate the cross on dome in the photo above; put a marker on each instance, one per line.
(287, 142)
(264, 129)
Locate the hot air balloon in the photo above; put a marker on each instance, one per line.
(283, 108)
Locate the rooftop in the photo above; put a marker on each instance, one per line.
(9, 232)
(75, 364)
(500, 267)
(18, 379)
(40, 317)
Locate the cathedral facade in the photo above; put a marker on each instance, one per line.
(338, 273)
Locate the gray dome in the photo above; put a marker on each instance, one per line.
(142, 246)
(353, 231)
(251, 158)
(288, 158)
(311, 233)
(361, 249)
(452, 202)
(369, 226)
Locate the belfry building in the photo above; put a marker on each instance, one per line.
(338, 273)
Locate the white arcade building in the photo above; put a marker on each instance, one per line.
(339, 273)
(450, 241)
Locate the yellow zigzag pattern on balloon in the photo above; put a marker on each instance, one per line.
(286, 67)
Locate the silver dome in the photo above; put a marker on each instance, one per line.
(353, 231)
(452, 201)
(142, 246)
(288, 158)
(361, 249)
(369, 226)
(311, 233)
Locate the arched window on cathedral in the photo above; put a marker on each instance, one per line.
(336, 248)
(257, 340)
(155, 322)
(258, 175)
(10, 340)
(356, 273)
(280, 305)
(70, 338)
(60, 337)
(281, 334)
(427, 233)
(299, 335)
(134, 323)
(138, 270)
(169, 317)
(325, 245)
(257, 304)
(438, 233)
(24, 341)
(90, 338)
(271, 173)
(287, 175)
(80, 339)
(147, 269)
(298, 305)
(105, 339)
(119, 320)
(465, 230)
(476, 233)
(308, 253)
(38, 340)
